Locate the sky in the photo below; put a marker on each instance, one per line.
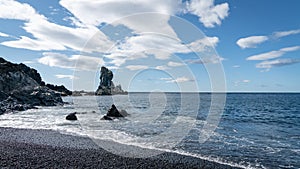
(170, 45)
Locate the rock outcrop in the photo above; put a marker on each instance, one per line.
(113, 113)
(106, 86)
(60, 89)
(22, 88)
(71, 116)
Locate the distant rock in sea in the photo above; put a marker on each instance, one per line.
(61, 89)
(22, 88)
(106, 86)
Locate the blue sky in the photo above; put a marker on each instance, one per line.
(195, 45)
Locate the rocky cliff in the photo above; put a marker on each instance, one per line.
(22, 88)
(106, 86)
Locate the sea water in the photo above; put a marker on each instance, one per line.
(253, 130)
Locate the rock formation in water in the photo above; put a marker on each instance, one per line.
(106, 86)
(71, 116)
(22, 88)
(113, 112)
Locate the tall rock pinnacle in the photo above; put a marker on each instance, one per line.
(106, 86)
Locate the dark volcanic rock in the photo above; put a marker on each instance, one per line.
(38, 96)
(61, 89)
(21, 88)
(31, 73)
(113, 112)
(3, 96)
(71, 116)
(106, 118)
(106, 86)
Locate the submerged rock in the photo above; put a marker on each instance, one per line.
(71, 116)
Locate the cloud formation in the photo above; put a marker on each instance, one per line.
(286, 33)
(3, 34)
(206, 60)
(137, 67)
(273, 54)
(145, 17)
(267, 65)
(174, 64)
(178, 80)
(251, 42)
(236, 66)
(161, 47)
(240, 82)
(76, 62)
(208, 13)
(47, 35)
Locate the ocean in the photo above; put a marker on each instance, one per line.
(248, 130)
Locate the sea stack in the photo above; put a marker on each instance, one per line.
(106, 86)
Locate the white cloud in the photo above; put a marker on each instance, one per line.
(162, 67)
(276, 63)
(208, 13)
(206, 60)
(136, 67)
(239, 82)
(3, 34)
(236, 66)
(251, 42)
(10, 9)
(50, 36)
(286, 33)
(149, 12)
(145, 16)
(180, 80)
(162, 47)
(71, 77)
(148, 19)
(273, 54)
(174, 64)
(201, 44)
(78, 62)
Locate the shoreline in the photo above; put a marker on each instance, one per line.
(36, 148)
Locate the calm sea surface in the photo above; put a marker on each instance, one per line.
(251, 131)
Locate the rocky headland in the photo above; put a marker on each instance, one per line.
(22, 88)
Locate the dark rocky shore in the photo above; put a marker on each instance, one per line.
(23, 148)
(22, 88)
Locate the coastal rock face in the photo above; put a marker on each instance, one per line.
(106, 86)
(22, 88)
